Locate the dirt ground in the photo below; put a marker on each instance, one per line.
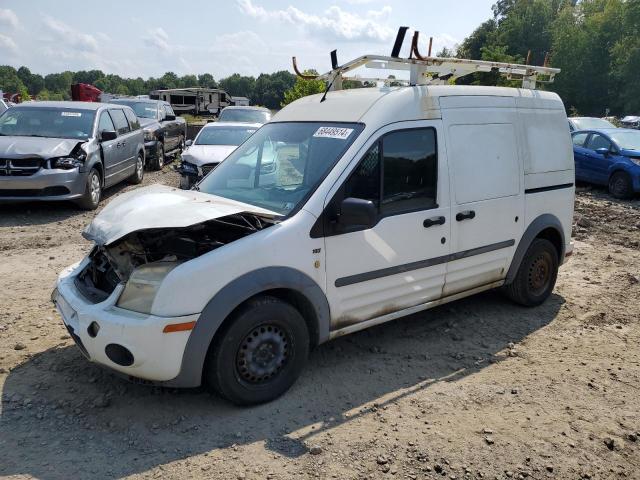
(475, 389)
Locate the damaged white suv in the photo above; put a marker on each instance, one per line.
(387, 201)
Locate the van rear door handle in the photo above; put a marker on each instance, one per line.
(430, 222)
(468, 215)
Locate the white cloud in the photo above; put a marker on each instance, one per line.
(244, 41)
(157, 38)
(8, 18)
(335, 23)
(68, 37)
(7, 44)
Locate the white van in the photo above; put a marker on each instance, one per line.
(388, 201)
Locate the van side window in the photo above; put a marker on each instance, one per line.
(120, 121)
(409, 171)
(133, 120)
(598, 141)
(579, 139)
(105, 123)
(408, 164)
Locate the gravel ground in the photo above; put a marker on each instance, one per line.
(475, 389)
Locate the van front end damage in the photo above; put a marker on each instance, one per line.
(106, 299)
(142, 258)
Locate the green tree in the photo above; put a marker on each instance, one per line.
(239, 85)
(303, 88)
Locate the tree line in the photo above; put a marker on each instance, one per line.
(266, 89)
(596, 44)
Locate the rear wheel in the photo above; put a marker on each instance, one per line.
(92, 191)
(620, 185)
(158, 162)
(536, 276)
(138, 175)
(260, 353)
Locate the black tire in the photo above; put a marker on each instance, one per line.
(92, 191)
(620, 185)
(138, 175)
(185, 182)
(536, 276)
(158, 161)
(247, 373)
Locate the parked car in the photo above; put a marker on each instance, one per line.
(585, 123)
(631, 121)
(259, 115)
(68, 151)
(609, 157)
(388, 202)
(3, 105)
(214, 142)
(164, 133)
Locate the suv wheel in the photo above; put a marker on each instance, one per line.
(158, 162)
(138, 175)
(260, 353)
(92, 191)
(536, 276)
(620, 185)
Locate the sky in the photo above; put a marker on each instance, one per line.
(148, 38)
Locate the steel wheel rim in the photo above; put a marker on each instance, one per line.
(161, 156)
(262, 354)
(618, 185)
(95, 188)
(540, 273)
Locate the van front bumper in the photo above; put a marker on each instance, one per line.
(155, 356)
(44, 185)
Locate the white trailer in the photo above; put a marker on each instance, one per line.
(195, 101)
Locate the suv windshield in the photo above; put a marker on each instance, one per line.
(47, 122)
(223, 135)
(627, 140)
(280, 165)
(142, 109)
(244, 115)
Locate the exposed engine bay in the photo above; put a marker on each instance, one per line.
(113, 264)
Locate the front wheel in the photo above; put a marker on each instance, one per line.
(260, 353)
(536, 276)
(158, 162)
(620, 185)
(92, 191)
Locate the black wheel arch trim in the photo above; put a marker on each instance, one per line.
(540, 224)
(229, 298)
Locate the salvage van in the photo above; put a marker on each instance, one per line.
(388, 201)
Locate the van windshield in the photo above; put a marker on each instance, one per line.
(281, 164)
(47, 122)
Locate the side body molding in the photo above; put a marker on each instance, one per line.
(230, 297)
(541, 223)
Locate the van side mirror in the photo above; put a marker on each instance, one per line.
(358, 212)
(169, 118)
(603, 151)
(107, 135)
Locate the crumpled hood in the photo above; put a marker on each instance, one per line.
(17, 147)
(160, 206)
(202, 154)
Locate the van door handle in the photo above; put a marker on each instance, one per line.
(430, 222)
(118, 145)
(468, 215)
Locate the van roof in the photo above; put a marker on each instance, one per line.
(378, 104)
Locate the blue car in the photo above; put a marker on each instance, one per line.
(609, 157)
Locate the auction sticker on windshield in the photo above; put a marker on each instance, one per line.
(333, 132)
(71, 114)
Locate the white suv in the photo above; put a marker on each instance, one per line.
(388, 201)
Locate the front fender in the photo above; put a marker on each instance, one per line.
(229, 298)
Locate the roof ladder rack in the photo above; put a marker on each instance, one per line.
(428, 70)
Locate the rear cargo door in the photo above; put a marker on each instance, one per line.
(487, 204)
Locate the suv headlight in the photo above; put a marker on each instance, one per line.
(149, 135)
(68, 163)
(142, 286)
